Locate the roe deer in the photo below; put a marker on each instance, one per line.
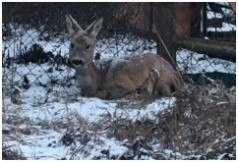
(110, 80)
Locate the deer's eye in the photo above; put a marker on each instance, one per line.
(71, 45)
(87, 47)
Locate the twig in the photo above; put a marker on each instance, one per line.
(161, 40)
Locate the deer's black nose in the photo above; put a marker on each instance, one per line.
(77, 62)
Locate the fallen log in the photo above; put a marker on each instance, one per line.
(226, 35)
(212, 48)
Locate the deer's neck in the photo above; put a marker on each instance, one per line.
(89, 77)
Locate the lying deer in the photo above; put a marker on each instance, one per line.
(110, 80)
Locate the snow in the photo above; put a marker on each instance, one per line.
(47, 146)
(225, 27)
(37, 146)
(92, 109)
(23, 38)
(226, 12)
(193, 63)
(211, 15)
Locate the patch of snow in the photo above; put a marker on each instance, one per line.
(37, 146)
(221, 156)
(225, 27)
(114, 146)
(167, 151)
(193, 63)
(211, 15)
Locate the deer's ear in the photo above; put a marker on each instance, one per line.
(94, 28)
(72, 25)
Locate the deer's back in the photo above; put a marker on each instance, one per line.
(132, 72)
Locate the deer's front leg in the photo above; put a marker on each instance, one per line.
(102, 94)
(88, 91)
(116, 88)
(112, 94)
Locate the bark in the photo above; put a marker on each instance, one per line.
(225, 36)
(233, 6)
(165, 27)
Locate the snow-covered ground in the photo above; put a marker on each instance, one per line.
(48, 110)
(51, 103)
(91, 110)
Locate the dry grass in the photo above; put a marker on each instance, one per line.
(203, 117)
(10, 153)
(203, 121)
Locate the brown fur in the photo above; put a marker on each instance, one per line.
(109, 80)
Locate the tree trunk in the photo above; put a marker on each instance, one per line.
(165, 27)
(233, 6)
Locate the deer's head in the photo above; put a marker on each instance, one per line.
(82, 41)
